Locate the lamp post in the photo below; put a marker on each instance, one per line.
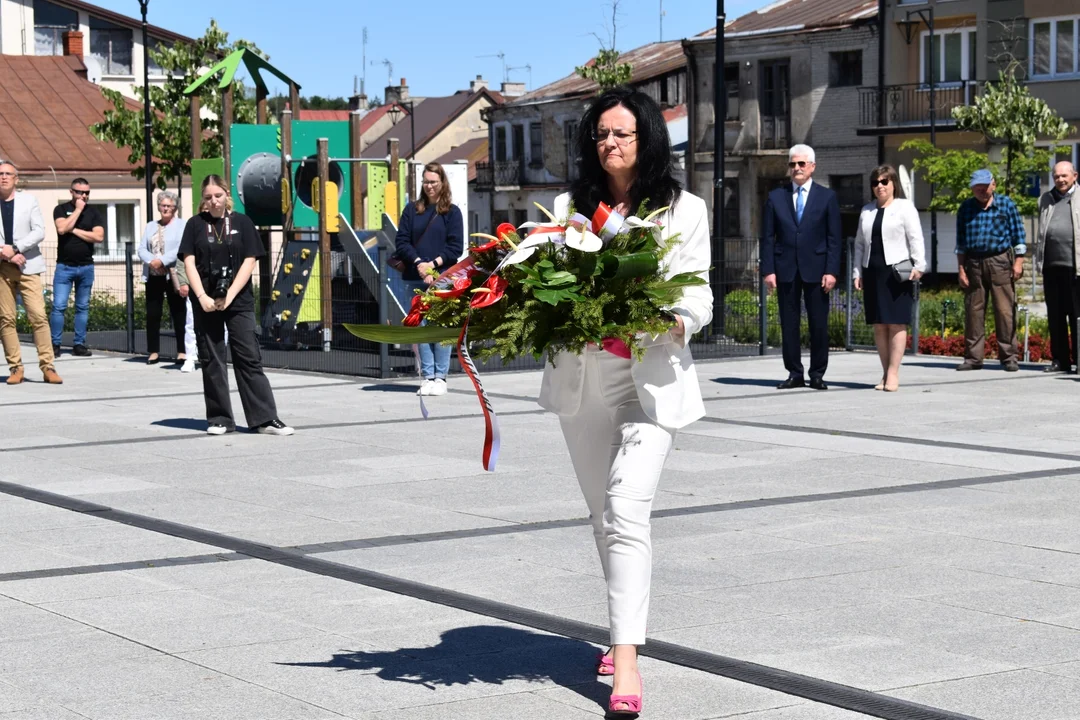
(395, 114)
(720, 110)
(147, 127)
(926, 15)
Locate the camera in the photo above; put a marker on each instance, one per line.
(220, 280)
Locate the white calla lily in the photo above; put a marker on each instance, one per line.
(518, 256)
(655, 213)
(583, 240)
(555, 236)
(639, 223)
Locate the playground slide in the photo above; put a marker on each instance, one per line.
(368, 266)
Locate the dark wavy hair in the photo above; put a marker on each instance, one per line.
(655, 182)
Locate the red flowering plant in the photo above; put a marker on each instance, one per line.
(560, 287)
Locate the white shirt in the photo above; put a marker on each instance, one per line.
(795, 193)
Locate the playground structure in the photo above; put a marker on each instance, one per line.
(306, 180)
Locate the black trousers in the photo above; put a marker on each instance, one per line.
(159, 287)
(1062, 290)
(251, 382)
(790, 296)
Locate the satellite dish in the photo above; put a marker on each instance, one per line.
(906, 182)
(93, 69)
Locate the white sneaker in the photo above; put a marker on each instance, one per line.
(426, 388)
(438, 387)
(188, 366)
(275, 427)
(217, 429)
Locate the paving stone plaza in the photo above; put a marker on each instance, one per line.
(901, 555)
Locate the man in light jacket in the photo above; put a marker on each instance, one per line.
(21, 265)
(1059, 238)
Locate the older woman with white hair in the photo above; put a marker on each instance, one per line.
(158, 249)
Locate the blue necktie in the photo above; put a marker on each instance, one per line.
(799, 204)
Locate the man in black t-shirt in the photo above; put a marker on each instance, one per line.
(78, 228)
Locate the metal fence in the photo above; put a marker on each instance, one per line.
(745, 318)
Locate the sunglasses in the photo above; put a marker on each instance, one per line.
(880, 181)
(84, 193)
(797, 163)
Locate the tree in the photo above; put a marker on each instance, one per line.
(605, 69)
(1005, 115)
(182, 64)
(317, 102)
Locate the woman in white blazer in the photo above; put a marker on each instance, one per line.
(619, 416)
(889, 233)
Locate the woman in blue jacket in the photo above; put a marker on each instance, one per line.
(430, 239)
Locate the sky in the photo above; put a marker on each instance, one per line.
(437, 45)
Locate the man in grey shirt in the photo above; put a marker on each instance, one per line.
(1059, 215)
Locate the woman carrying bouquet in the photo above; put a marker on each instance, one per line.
(619, 415)
(430, 238)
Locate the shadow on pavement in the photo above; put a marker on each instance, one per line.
(184, 424)
(390, 387)
(759, 382)
(482, 654)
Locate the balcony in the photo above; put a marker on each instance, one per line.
(907, 107)
(499, 174)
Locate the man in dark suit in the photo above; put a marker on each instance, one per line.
(800, 257)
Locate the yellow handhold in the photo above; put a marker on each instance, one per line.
(286, 314)
(297, 288)
(305, 253)
(286, 196)
(315, 194)
(275, 295)
(333, 222)
(288, 268)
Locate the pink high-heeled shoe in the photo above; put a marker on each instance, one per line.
(633, 703)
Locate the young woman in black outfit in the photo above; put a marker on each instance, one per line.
(219, 250)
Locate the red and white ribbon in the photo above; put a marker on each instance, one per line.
(492, 437)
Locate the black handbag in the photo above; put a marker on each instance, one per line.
(902, 270)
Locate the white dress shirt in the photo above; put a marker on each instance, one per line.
(795, 194)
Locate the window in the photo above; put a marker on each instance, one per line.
(50, 23)
(121, 219)
(536, 145)
(1053, 48)
(952, 59)
(111, 45)
(572, 156)
(775, 104)
(500, 143)
(845, 68)
(731, 207)
(519, 217)
(731, 86)
(849, 191)
(158, 46)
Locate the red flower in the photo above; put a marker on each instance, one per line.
(505, 229)
(461, 284)
(495, 286)
(416, 312)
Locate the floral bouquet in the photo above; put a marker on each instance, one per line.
(562, 286)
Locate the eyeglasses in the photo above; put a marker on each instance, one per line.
(84, 193)
(166, 207)
(431, 182)
(798, 163)
(7, 174)
(880, 181)
(622, 137)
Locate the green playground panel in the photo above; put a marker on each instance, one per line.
(305, 133)
(200, 168)
(244, 142)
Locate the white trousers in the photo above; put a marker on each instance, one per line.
(189, 333)
(618, 454)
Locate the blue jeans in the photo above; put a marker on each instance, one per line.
(434, 357)
(82, 277)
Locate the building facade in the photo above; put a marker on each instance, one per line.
(111, 44)
(973, 40)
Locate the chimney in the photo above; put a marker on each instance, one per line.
(397, 93)
(512, 89)
(73, 43)
(358, 102)
(478, 84)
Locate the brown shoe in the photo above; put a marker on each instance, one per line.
(52, 378)
(16, 376)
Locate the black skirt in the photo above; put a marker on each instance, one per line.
(885, 300)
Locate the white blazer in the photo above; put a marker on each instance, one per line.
(29, 231)
(666, 381)
(901, 236)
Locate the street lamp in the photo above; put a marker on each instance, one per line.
(129, 250)
(395, 114)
